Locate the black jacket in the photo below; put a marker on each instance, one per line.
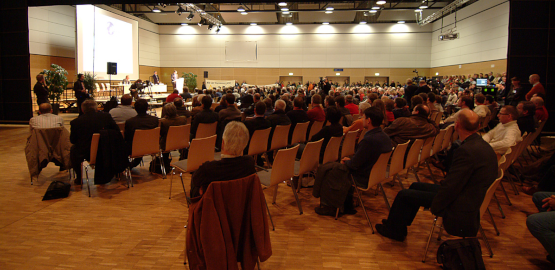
(205, 117)
(464, 188)
(332, 184)
(41, 92)
(141, 121)
(296, 116)
(83, 127)
(410, 91)
(221, 170)
(333, 130)
(526, 124)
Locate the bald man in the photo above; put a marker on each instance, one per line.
(537, 87)
(541, 113)
(460, 195)
(46, 119)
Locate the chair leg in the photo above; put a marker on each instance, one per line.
(296, 197)
(504, 191)
(269, 215)
(385, 197)
(429, 239)
(493, 222)
(486, 241)
(162, 166)
(337, 214)
(399, 180)
(362, 204)
(415, 173)
(171, 181)
(87, 174)
(499, 207)
(184, 191)
(431, 173)
(275, 194)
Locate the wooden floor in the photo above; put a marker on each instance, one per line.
(140, 228)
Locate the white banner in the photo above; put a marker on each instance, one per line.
(210, 84)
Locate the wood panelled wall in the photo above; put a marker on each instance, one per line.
(500, 66)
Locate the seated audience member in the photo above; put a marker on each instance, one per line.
(369, 149)
(46, 119)
(389, 106)
(481, 109)
(380, 105)
(416, 100)
(417, 126)
(541, 112)
(205, 116)
(430, 99)
(359, 123)
(278, 118)
(353, 108)
(250, 110)
(460, 195)
(172, 96)
(171, 119)
(221, 106)
(541, 224)
(297, 115)
(288, 103)
(330, 102)
(491, 103)
(333, 115)
(546, 179)
(123, 111)
(465, 102)
(196, 105)
(537, 87)
(422, 88)
(247, 100)
(317, 112)
(186, 95)
(141, 121)
(526, 122)
(438, 105)
(233, 164)
(400, 108)
(82, 129)
(230, 112)
(269, 102)
(258, 122)
(506, 133)
(181, 110)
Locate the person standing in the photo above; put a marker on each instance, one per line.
(41, 90)
(155, 78)
(81, 93)
(410, 91)
(537, 87)
(174, 79)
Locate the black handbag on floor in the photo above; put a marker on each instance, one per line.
(56, 190)
(464, 254)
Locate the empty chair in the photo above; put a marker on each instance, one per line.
(332, 150)
(412, 157)
(308, 162)
(425, 154)
(299, 133)
(282, 170)
(314, 128)
(92, 160)
(279, 138)
(206, 130)
(201, 150)
(177, 139)
(396, 164)
(258, 143)
(349, 142)
(145, 143)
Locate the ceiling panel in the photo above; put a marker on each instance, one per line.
(263, 17)
(401, 15)
(320, 16)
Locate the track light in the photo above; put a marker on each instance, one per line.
(329, 8)
(210, 26)
(329, 11)
(191, 16)
(157, 10)
(325, 23)
(284, 9)
(282, 4)
(180, 10)
(373, 11)
(289, 23)
(362, 22)
(376, 8)
(201, 22)
(244, 13)
(253, 24)
(380, 2)
(218, 29)
(240, 9)
(401, 22)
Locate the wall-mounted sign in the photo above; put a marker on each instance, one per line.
(337, 69)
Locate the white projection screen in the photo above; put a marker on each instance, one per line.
(241, 51)
(103, 37)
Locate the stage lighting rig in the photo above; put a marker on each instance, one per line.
(191, 16)
(180, 10)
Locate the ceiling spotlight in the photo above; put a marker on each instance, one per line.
(284, 9)
(218, 29)
(282, 4)
(289, 23)
(380, 2)
(240, 9)
(366, 13)
(156, 10)
(373, 11)
(286, 15)
(401, 22)
(244, 13)
(417, 10)
(200, 23)
(286, 12)
(210, 26)
(325, 23)
(191, 15)
(375, 8)
(329, 11)
(180, 10)
(184, 24)
(362, 22)
(329, 8)
(253, 24)
(423, 6)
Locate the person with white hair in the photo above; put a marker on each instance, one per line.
(233, 165)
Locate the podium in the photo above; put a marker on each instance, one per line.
(179, 85)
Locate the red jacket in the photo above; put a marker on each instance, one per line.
(316, 114)
(538, 89)
(353, 108)
(228, 224)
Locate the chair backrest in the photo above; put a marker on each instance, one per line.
(283, 167)
(206, 130)
(103, 87)
(433, 116)
(121, 126)
(412, 157)
(378, 173)
(178, 137)
(536, 133)
(94, 148)
(348, 148)
(489, 193)
(332, 150)
(259, 141)
(438, 118)
(310, 157)
(97, 87)
(279, 138)
(200, 151)
(438, 142)
(299, 134)
(447, 137)
(107, 86)
(146, 142)
(521, 145)
(362, 133)
(486, 121)
(315, 128)
(397, 157)
(427, 148)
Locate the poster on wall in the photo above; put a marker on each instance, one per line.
(211, 84)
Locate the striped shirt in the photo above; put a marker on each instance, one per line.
(46, 120)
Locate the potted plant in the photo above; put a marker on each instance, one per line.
(90, 83)
(56, 79)
(190, 80)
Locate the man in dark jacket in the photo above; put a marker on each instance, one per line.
(297, 115)
(81, 93)
(41, 90)
(278, 118)
(410, 91)
(82, 130)
(417, 126)
(333, 115)
(422, 88)
(460, 195)
(206, 116)
(526, 121)
(141, 121)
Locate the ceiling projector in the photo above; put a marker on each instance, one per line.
(448, 36)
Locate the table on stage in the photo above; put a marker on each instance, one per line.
(155, 88)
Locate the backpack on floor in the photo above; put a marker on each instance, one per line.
(56, 190)
(464, 254)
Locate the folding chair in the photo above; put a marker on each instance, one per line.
(308, 162)
(412, 157)
(279, 138)
(299, 133)
(332, 150)
(92, 159)
(314, 128)
(258, 144)
(146, 142)
(177, 139)
(349, 142)
(425, 154)
(206, 130)
(396, 163)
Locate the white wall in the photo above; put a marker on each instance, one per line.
(301, 46)
(52, 31)
(483, 28)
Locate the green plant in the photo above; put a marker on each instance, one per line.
(56, 79)
(90, 82)
(190, 80)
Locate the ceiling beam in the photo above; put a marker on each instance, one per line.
(296, 10)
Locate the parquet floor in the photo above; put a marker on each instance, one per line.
(140, 228)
